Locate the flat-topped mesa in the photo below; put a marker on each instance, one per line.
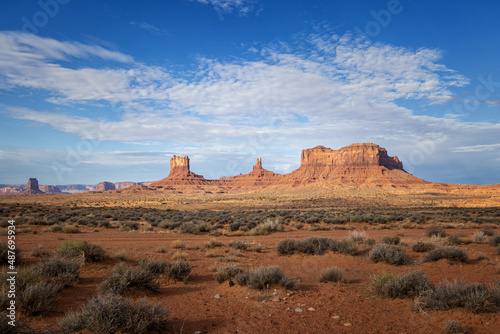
(179, 165)
(362, 155)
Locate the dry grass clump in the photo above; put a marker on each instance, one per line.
(271, 225)
(264, 278)
(479, 237)
(494, 240)
(180, 270)
(227, 273)
(239, 245)
(357, 236)
(122, 277)
(38, 298)
(454, 327)
(317, 246)
(179, 244)
(390, 240)
(421, 247)
(70, 229)
(391, 254)
(450, 253)
(58, 270)
(213, 243)
(115, 314)
(180, 255)
(40, 251)
(331, 275)
(435, 231)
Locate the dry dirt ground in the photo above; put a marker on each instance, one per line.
(346, 307)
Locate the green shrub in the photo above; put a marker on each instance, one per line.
(227, 273)
(268, 227)
(331, 275)
(450, 253)
(390, 254)
(421, 247)
(316, 245)
(115, 314)
(180, 270)
(82, 249)
(390, 240)
(408, 285)
(346, 246)
(378, 283)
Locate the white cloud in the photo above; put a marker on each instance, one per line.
(149, 27)
(241, 7)
(477, 148)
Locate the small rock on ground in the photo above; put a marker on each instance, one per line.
(217, 296)
(298, 309)
(312, 309)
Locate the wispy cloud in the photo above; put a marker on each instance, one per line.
(241, 7)
(477, 148)
(149, 27)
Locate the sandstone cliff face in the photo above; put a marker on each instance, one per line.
(105, 186)
(352, 155)
(257, 177)
(180, 174)
(50, 189)
(32, 187)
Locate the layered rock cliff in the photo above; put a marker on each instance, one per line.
(105, 186)
(180, 174)
(50, 189)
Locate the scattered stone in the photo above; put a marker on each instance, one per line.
(336, 317)
(298, 309)
(197, 332)
(275, 293)
(217, 296)
(275, 299)
(348, 324)
(288, 309)
(311, 309)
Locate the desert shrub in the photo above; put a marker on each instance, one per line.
(488, 231)
(239, 245)
(378, 283)
(408, 285)
(188, 227)
(129, 226)
(345, 246)
(315, 245)
(435, 231)
(479, 237)
(370, 242)
(169, 224)
(122, 277)
(20, 327)
(421, 247)
(38, 298)
(227, 273)
(331, 275)
(205, 227)
(287, 246)
(213, 243)
(180, 255)
(40, 251)
(390, 240)
(82, 249)
(498, 250)
(447, 295)
(450, 253)
(156, 267)
(265, 277)
(495, 240)
(271, 225)
(58, 270)
(4, 252)
(115, 314)
(179, 244)
(454, 327)
(390, 254)
(454, 240)
(180, 270)
(70, 229)
(357, 236)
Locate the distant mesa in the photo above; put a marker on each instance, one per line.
(50, 189)
(32, 187)
(365, 163)
(105, 186)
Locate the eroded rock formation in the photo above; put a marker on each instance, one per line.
(180, 174)
(105, 186)
(50, 189)
(32, 187)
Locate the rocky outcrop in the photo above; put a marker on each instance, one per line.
(180, 174)
(123, 185)
(50, 189)
(257, 177)
(105, 186)
(32, 187)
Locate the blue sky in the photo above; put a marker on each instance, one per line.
(110, 90)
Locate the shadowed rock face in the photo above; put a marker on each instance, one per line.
(105, 186)
(50, 189)
(32, 187)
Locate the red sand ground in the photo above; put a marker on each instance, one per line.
(339, 308)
